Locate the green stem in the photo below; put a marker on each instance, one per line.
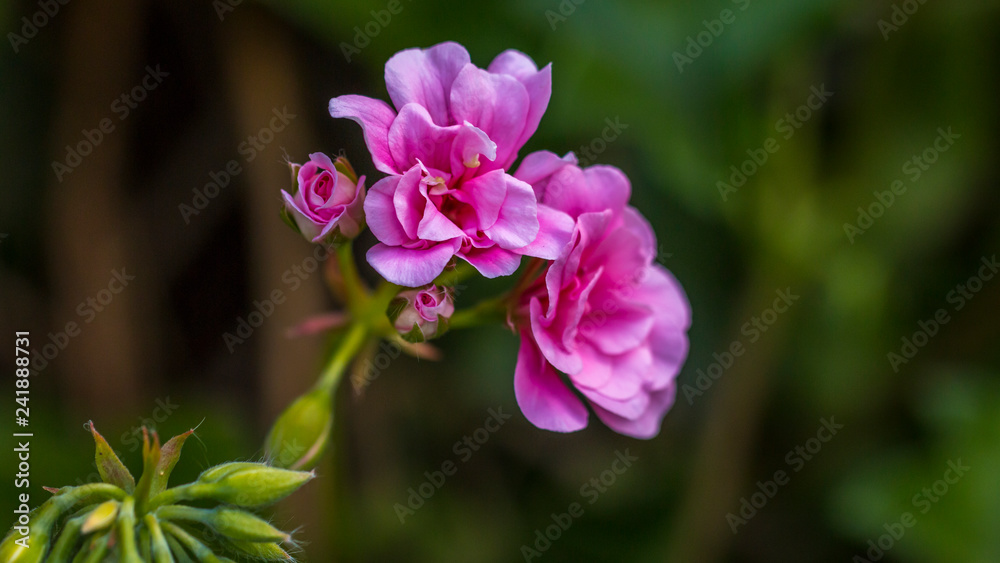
(484, 312)
(161, 549)
(200, 550)
(181, 512)
(350, 344)
(63, 549)
(357, 295)
(126, 531)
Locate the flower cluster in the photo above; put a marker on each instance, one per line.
(593, 303)
(121, 519)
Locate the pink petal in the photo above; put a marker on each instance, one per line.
(545, 401)
(620, 331)
(435, 226)
(492, 262)
(470, 143)
(486, 194)
(537, 167)
(309, 227)
(414, 137)
(538, 85)
(646, 425)
(496, 103)
(554, 231)
(597, 188)
(381, 212)
(517, 224)
(375, 117)
(425, 77)
(410, 267)
(409, 203)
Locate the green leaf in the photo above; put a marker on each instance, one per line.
(169, 454)
(111, 468)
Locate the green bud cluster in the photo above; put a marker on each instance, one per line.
(125, 520)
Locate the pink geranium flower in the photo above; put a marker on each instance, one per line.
(604, 313)
(446, 146)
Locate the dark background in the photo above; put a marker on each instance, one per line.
(156, 352)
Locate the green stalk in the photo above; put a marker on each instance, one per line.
(485, 312)
(200, 550)
(161, 550)
(63, 549)
(357, 295)
(126, 531)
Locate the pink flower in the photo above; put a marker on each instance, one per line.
(457, 130)
(604, 313)
(422, 314)
(326, 202)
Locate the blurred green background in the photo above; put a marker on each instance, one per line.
(155, 353)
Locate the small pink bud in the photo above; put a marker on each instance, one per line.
(422, 314)
(327, 200)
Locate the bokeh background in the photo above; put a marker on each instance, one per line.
(155, 353)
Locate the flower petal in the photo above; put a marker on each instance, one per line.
(414, 137)
(554, 231)
(543, 398)
(486, 194)
(375, 117)
(597, 188)
(517, 224)
(381, 212)
(537, 83)
(410, 267)
(539, 166)
(496, 103)
(646, 425)
(492, 262)
(425, 77)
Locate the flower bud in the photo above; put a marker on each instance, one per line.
(327, 200)
(243, 526)
(422, 314)
(254, 485)
(101, 517)
(301, 434)
(260, 550)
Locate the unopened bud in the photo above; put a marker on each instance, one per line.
(301, 434)
(256, 485)
(262, 551)
(243, 526)
(101, 517)
(327, 200)
(422, 314)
